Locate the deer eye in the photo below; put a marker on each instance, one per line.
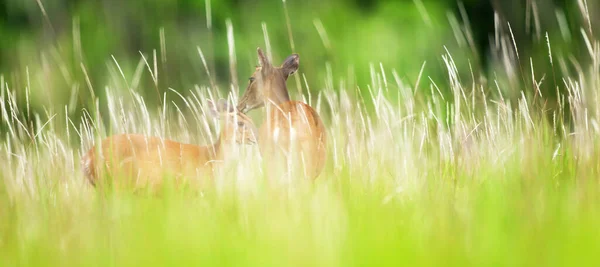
(251, 79)
(240, 124)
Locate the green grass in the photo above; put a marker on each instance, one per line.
(476, 177)
(397, 190)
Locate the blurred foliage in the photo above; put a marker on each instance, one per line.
(57, 42)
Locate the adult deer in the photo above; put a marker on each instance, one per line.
(134, 160)
(293, 131)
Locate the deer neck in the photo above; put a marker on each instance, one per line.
(277, 92)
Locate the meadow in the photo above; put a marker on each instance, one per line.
(485, 171)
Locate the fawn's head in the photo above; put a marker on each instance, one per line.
(235, 126)
(267, 83)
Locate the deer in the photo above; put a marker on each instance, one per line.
(135, 160)
(292, 131)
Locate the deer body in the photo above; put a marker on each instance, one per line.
(134, 160)
(293, 131)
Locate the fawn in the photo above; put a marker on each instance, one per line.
(134, 160)
(293, 130)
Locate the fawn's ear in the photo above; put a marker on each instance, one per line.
(212, 109)
(290, 65)
(223, 106)
(220, 108)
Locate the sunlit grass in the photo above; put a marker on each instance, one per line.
(486, 175)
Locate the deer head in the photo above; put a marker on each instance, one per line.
(235, 126)
(267, 83)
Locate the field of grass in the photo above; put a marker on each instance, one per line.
(491, 174)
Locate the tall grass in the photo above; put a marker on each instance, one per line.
(488, 175)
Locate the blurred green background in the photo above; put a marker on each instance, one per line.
(52, 44)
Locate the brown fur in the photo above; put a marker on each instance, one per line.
(134, 160)
(293, 130)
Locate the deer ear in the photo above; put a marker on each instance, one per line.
(220, 108)
(290, 65)
(212, 108)
(262, 59)
(223, 106)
